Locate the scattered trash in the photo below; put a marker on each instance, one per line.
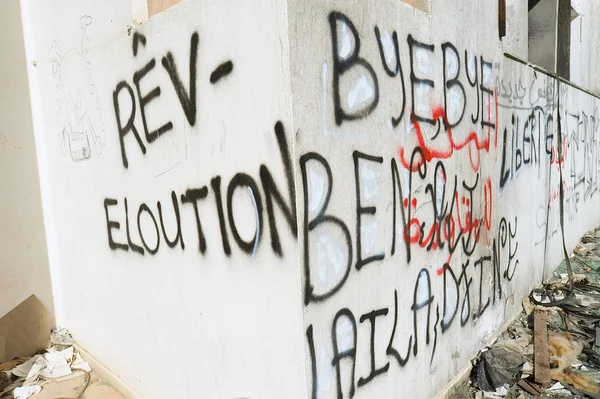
(563, 351)
(61, 337)
(80, 364)
(564, 280)
(24, 369)
(25, 392)
(4, 380)
(582, 383)
(530, 387)
(500, 365)
(23, 377)
(498, 393)
(541, 365)
(559, 389)
(57, 365)
(553, 349)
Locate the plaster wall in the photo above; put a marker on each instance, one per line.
(585, 39)
(172, 245)
(516, 41)
(24, 267)
(429, 171)
(332, 199)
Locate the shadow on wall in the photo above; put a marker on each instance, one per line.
(24, 268)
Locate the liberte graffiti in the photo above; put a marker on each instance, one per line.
(532, 140)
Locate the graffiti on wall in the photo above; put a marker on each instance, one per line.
(533, 139)
(78, 114)
(269, 198)
(460, 140)
(459, 133)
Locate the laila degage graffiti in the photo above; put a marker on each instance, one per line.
(459, 286)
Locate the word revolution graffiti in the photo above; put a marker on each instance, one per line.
(192, 196)
(148, 241)
(422, 235)
(187, 97)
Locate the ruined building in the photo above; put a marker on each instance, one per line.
(293, 199)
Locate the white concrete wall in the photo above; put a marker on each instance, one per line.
(585, 40)
(426, 203)
(430, 209)
(24, 263)
(200, 318)
(516, 41)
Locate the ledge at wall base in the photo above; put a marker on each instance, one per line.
(463, 375)
(117, 383)
(107, 375)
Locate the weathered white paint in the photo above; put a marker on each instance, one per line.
(512, 190)
(229, 326)
(585, 40)
(516, 41)
(24, 267)
(257, 324)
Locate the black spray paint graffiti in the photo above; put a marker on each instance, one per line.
(451, 223)
(187, 96)
(530, 138)
(466, 290)
(273, 199)
(530, 142)
(584, 154)
(454, 211)
(343, 65)
(456, 84)
(462, 288)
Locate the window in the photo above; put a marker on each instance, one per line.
(550, 35)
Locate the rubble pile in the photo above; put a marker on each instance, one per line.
(552, 350)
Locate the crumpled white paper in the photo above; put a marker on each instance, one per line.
(27, 368)
(25, 392)
(80, 364)
(62, 336)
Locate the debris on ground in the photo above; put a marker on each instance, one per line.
(500, 365)
(25, 377)
(552, 350)
(34, 357)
